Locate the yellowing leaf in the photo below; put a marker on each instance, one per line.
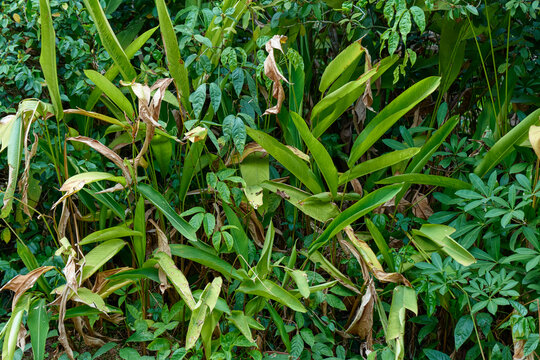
(196, 134)
(534, 138)
(17, 18)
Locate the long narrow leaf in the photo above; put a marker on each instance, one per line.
(340, 64)
(47, 59)
(424, 179)
(38, 324)
(390, 114)
(111, 91)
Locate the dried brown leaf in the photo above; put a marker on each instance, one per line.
(21, 283)
(272, 72)
(163, 245)
(362, 324)
(421, 208)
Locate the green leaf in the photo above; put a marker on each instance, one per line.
(190, 167)
(38, 324)
(418, 17)
(440, 236)
(109, 40)
(423, 179)
(174, 60)
(197, 99)
(205, 258)
(237, 78)
(317, 258)
(393, 42)
(390, 115)
(297, 346)
(404, 298)
(241, 321)
(463, 330)
(378, 163)
(114, 232)
(215, 96)
(280, 325)
(114, 70)
(177, 278)
(271, 290)
(321, 156)
(287, 158)
(159, 201)
(340, 64)
(318, 210)
(381, 244)
(12, 328)
(354, 212)
(505, 145)
(204, 307)
(14, 156)
(47, 58)
(330, 108)
(241, 240)
(139, 224)
(432, 354)
(98, 256)
(300, 278)
(264, 266)
(235, 130)
(111, 91)
(405, 25)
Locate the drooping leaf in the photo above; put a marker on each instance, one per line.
(203, 308)
(177, 278)
(99, 256)
(21, 283)
(114, 232)
(271, 290)
(111, 91)
(340, 64)
(463, 330)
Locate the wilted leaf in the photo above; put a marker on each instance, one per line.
(362, 324)
(534, 138)
(196, 134)
(421, 208)
(21, 283)
(272, 72)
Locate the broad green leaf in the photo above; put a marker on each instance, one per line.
(404, 298)
(318, 210)
(433, 354)
(451, 51)
(114, 70)
(376, 164)
(99, 256)
(390, 115)
(172, 51)
(47, 58)
(197, 99)
(237, 78)
(14, 157)
(264, 266)
(38, 324)
(203, 308)
(141, 273)
(241, 240)
(463, 330)
(418, 17)
(207, 259)
(159, 201)
(139, 224)
(190, 167)
(300, 278)
(111, 91)
(424, 179)
(353, 213)
(440, 235)
(109, 40)
(241, 322)
(280, 325)
(320, 154)
(505, 145)
(326, 111)
(271, 290)
(114, 232)
(215, 96)
(234, 129)
(13, 326)
(177, 278)
(340, 64)
(287, 158)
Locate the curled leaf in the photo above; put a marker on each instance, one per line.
(21, 283)
(196, 134)
(272, 72)
(534, 138)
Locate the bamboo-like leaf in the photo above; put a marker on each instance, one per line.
(99, 256)
(38, 324)
(381, 244)
(505, 145)
(287, 158)
(159, 201)
(340, 64)
(177, 278)
(390, 114)
(301, 280)
(378, 163)
(404, 298)
(47, 58)
(172, 51)
(359, 209)
(114, 69)
(271, 290)
(280, 325)
(424, 179)
(241, 240)
(191, 162)
(12, 328)
(207, 259)
(114, 232)
(264, 266)
(241, 322)
(320, 154)
(109, 40)
(204, 308)
(139, 224)
(111, 91)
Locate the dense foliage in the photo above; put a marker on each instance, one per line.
(269, 179)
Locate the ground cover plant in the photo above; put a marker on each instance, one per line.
(269, 179)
